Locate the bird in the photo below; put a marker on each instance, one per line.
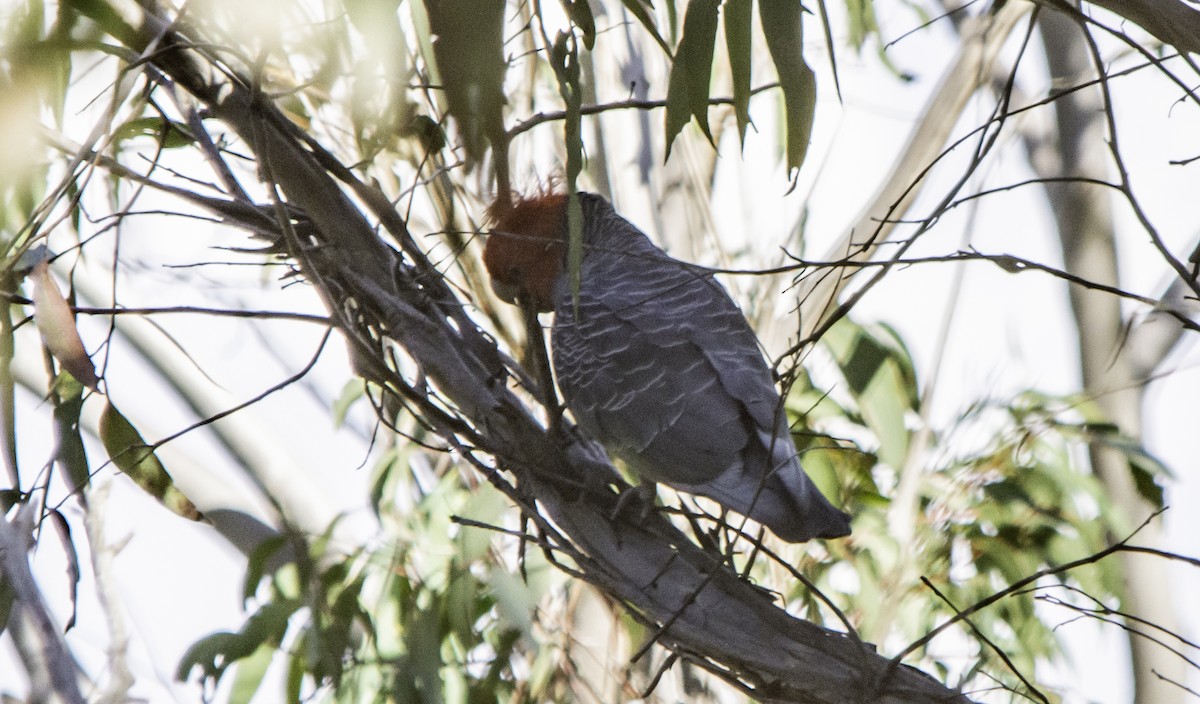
(657, 363)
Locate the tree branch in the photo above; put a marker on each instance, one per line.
(381, 300)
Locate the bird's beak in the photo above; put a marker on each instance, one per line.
(508, 293)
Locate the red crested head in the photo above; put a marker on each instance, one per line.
(524, 251)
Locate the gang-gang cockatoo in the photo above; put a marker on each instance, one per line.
(658, 363)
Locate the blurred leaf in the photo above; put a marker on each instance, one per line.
(878, 375)
(739, 47)
(68, 546)
(1145, 468)
(515, 601)
(56, 323)
(863, 24)
(580, 13)
(691, 71)
(830, 47)
(256, 564)
(8, 400)
(215, 653)
(470, 59)
(782, 28)
(641, 10)
(374, 19)
(384, 479)
(464, 602)
(137, 460)
(10, 498)
(7, 596)
(167, 133)
(832, 465)
(427, 133)
(295, 673)
(423, 642)
(249, 673)
(70, 453)
(564, 59)
(1146, 483)
(485, 505)
(351, 392)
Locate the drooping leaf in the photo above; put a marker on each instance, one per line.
(63, 529)
(580, 12)
(738, 45)
(691, 71)
(7, 597)
(862, 22)
(70, 453)
(564, 59)
(249, 672)
(783, 30)
(167, 133)
(427, 133)
(829, 47)
(8, 400)
(137, 460)
(215, 653)
(56, 323)
(469, 49)
(256, 565)
(641, 10)
(353, 390)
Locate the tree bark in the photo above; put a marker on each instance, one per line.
(53, 674)
(1083, 213)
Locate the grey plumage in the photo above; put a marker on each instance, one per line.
(663, 369)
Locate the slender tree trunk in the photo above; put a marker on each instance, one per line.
(1083, 213)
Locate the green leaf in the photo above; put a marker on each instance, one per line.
(469, 50)
(691, 71)
(641, 9)
(485, 505)
(580, 13)
(1146, 483)
(70, 454)
(564, 59)
(295, 673)
(373, 17)
(72, 556)
(425, 131)
(739, 47)
(56, 322)
(785, 40)
(167, 133)
(249, 673)
(876, 374)
(257, 563)
(137, 460)
(351, 392)
(861, 16)
(8, 399)
(215, 653)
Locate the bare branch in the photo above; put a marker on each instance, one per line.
(52, 670)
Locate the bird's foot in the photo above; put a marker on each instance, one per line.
(639, 498)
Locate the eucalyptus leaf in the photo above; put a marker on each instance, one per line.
(782, 28)
(691, 71)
